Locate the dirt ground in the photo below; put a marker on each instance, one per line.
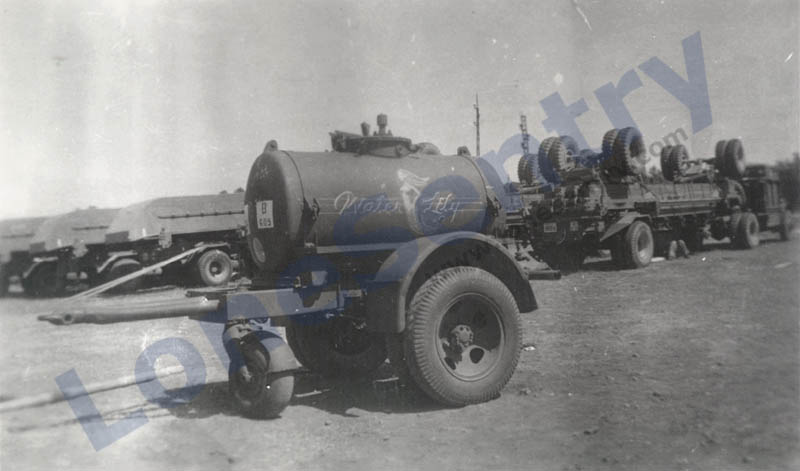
(689, 364)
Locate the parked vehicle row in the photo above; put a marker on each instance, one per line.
(87, 247)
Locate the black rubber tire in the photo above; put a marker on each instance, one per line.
(44, 281)
(733, 159)
(747, 234)
(547, 169)
(666, 169)
(337, 348)
(214, 268)
(522, 170)
(121, 268)
(458, 378)
(609, 138)
(267, 394)
(533, 173)
(677, 160)
(787, 225)
(638, 245)
(629, 151)
(719, 150)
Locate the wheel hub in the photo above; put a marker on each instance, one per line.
(461, 337)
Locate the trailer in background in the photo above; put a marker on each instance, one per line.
(67, 250)
(15, 237)
(152, 231)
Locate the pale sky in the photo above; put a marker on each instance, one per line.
(110, 103)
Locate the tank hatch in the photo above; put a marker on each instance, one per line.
(380, 143)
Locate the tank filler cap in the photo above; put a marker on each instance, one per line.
(383, 121)
(271, 146)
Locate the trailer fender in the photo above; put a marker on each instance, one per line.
(620, 224)
(280, 356)
(37, 262)
(113, 258)
(390, 291)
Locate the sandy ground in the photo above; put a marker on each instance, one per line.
(690, 364)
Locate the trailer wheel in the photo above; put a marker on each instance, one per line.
(214, 268)
(638, 245)
(338, 347)
(257, 392)
(44, 281)
(786, 227)
(747, 231)
(463, 336)
(121, 268)
(629, 151)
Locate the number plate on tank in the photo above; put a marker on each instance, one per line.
(264, 214)
(550, 227)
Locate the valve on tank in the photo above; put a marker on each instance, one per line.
(383, 121)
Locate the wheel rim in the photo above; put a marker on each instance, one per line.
(470, 338)
(250, 380)
(643, 245)
(752, 228)
(215, 268)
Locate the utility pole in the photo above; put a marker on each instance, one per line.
(523, 126)
(477, 124)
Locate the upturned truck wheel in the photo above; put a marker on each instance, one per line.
(214, 268)
(257, 392)
(337, 347)
(463, 336)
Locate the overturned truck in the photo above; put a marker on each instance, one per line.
(577, 202)
(380, 248)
